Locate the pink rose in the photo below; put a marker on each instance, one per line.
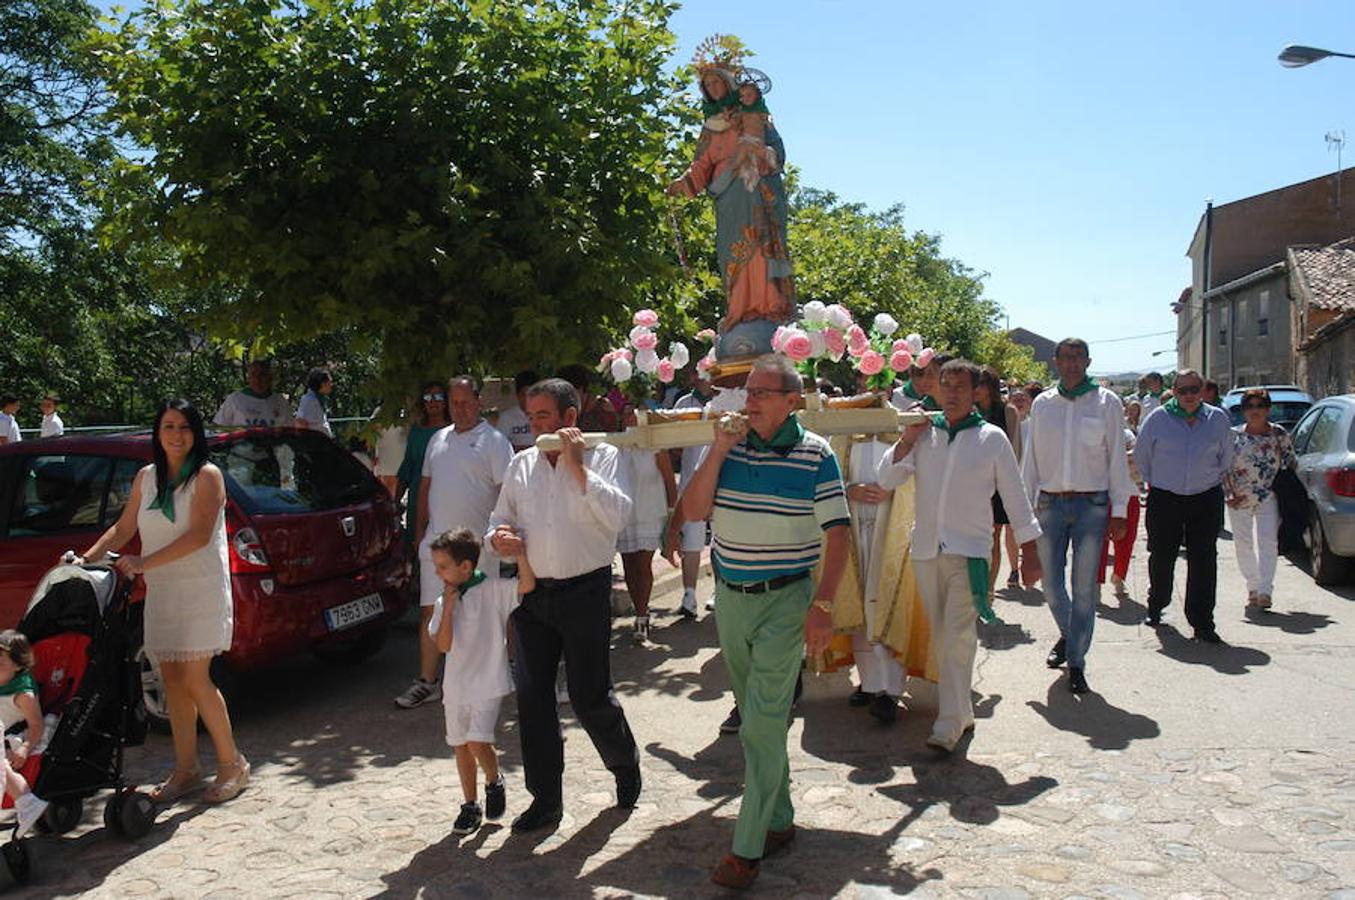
(924, 359)
(706, 334)
(901, 360)
(872, 363)
(797, 345)
(705, 362)
(606, 359)
(857, 342)
(647, 341)
(900, 344)
(621, 353)
(777, 336)
(646, 317)
(837, 343)
(666, 370)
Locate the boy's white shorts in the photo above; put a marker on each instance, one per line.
(472, 721)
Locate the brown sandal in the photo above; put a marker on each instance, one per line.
(175, 786)
(221, 791)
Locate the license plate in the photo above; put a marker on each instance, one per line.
(346, 615)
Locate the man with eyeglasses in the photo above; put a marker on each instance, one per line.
(463, 467)
(1185, 448)
(775, 497)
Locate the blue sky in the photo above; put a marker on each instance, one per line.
(1067, 149)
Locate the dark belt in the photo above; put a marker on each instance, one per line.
(559, 584)
(762, 587)
(1072, 493)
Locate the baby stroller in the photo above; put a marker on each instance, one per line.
(84, 633)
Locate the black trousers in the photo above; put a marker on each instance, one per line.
(570, 619)
(1195, 520)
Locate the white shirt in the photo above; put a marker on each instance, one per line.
(241, 410)
(465, 469)
(390, 450)
(476, 668)
(955, 485)
(514, 425)
(569, 531)
(1148, 403)
(313, 411)
(692, 457)
(1078, 445)
(52, 426)
(9, 428)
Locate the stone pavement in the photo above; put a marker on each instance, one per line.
(1191, 771)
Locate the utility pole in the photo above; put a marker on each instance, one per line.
(1336, 140)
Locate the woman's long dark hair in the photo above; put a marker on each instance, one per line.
(422, 417)
(196, 456)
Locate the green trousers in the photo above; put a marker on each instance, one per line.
(762, 637)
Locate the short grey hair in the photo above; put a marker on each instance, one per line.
(784, 369)
(463, 381)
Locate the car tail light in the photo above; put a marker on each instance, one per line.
(247, 553)
(1341, 481)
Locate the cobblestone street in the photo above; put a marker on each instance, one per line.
(1190, 771)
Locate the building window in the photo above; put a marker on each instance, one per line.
(1262, 327)
(1223, 337)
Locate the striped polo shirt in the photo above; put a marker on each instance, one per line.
(772, 503)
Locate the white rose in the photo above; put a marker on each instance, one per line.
(647, 361)
(679, 354)
(915, 343)
(839, 317)
(621, 370)
(818, 344)
(815, 311)
(637, 332)
(886, 324)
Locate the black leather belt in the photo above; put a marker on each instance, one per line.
(762, 587)
(556, 584)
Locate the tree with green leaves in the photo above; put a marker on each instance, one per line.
(464, 185)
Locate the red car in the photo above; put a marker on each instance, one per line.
(316, 559)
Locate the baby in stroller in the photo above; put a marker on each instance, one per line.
(22, 725)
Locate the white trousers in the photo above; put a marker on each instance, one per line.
(875, 664)
(1255, 538)
(943, 583)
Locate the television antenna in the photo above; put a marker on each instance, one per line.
(1336, 140)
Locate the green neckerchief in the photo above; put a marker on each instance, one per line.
(1174, 407)
(250, 392)
(21, 683)
(759, 107)
(911, 392)
(714, 107)
(973, 420)
(978, 587)
(476, 576)
(788, 435)
(1157, 394)
(1086, 386)
(164, 501)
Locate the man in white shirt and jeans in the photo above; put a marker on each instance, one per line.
(568, 506)
(463, 467)
(959, 461)
(1077, 472)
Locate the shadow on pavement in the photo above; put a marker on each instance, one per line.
(1106, 727)
(1003, 635)
(1024, 596)
(1127, 612)
(1303, 563)
(1288, 622)
(1227, 659)
(972, 792)
(717, 767)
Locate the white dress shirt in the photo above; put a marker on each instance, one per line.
(52, 426)
(956, 480)
(569, 531)
(1078, 446)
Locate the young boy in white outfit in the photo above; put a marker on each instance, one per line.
(470, 625)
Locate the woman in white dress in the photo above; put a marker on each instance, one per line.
(177, 506)
(653, 491)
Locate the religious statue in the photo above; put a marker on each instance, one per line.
(739, 160)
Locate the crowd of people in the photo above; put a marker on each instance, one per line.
(863, 551)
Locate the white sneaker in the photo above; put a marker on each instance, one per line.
(30, 808)
(710, 604)
(419, 693)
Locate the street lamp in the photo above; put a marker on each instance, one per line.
(1296, 55)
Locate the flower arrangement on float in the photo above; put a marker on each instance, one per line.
(636, 366)
(829, 332)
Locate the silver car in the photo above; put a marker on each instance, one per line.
(1324, 441)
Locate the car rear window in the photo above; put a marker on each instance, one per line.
(291, 473)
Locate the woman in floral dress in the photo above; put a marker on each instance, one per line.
(1260, 450)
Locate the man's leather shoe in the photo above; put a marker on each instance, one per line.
(537, 816)
(1058, 656)
(885, 708)
(628, 788)
(1153, 619)
(1208, 637)
(1077, 682)
(735, 872)
(859, 698)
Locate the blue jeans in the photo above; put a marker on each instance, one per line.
(1081, 521)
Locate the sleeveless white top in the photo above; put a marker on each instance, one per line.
(189, 614)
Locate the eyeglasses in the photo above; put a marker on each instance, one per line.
(1187, 390)
(1256, 406)
(434, 398)
(764, 393)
